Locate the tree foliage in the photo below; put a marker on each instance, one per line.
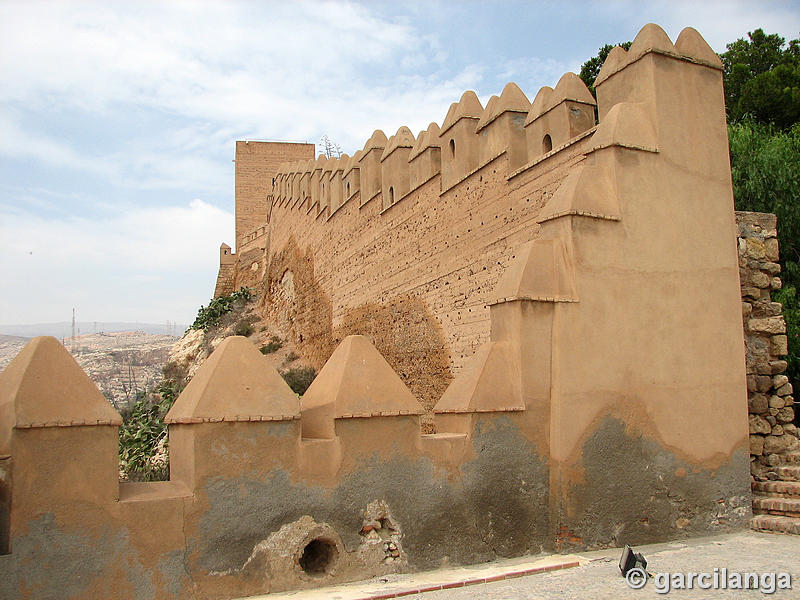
(765, 167)
(762, 79)
(591, 68)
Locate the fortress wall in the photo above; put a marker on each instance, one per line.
(249, 490)
(446, 250)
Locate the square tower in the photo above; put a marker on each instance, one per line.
(256, 165)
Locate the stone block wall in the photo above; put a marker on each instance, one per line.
(770, 400)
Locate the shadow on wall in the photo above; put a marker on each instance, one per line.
(403, 330)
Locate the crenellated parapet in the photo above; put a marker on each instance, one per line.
(459, 140)
(425, 158)
(258, 479)
(558, 115)
(370, 166)
(469, 138)
(395, 173)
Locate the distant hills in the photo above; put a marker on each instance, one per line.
(64, 329)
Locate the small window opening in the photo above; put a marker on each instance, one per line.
(453, 148)
(547, 144)
(348, 188)
(319, 556)
(391, 195)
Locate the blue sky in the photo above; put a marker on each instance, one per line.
(118, 119)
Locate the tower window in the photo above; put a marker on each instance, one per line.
(547, 144)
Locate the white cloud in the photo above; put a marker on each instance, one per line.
(718, 21)
(18, 143)
(228, 70)
(144, 263)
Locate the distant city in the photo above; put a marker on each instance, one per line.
(63, 329)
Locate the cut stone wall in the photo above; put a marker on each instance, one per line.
(770, 400)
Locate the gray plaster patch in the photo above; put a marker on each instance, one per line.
(506, 487)
(173, 571)
(632, 493)
(498, 507)
(432, 512)
(50, 563)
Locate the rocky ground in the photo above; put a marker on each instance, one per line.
(190, 351)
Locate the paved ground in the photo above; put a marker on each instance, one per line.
(597, 576)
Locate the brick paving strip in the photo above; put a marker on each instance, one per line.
(398, 586)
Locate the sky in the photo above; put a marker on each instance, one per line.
(118, 120)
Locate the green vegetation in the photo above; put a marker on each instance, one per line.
(765, 166)
(299, 378)
(143, 450)
(762, 79)
(209, 316)
(762, 97)
(274, 345)
(291, 357)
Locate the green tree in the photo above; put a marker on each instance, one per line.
(765, 168)
(591, 68)
(762, 79)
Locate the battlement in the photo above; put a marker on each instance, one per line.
(471, 136)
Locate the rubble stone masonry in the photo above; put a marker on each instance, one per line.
(769, 391)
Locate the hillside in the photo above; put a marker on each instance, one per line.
(121, 363)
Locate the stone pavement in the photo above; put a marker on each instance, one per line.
(596, 574)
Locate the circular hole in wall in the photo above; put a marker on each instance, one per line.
(318, 557)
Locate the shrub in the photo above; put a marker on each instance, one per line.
(291, 357)
(244, 328)
(274, 345)
(299, 378)
(209, 316)
(143, 450)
